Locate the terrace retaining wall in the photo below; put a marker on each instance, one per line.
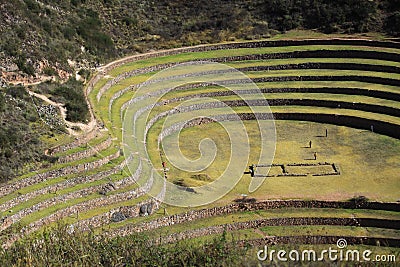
(332, 90)
(255, 224)
(60, 186)
(241, 207)
(381, 127)
(86, 153)
(82, 207)
(78, 141)
(17, 185)
(125, 212)
(296, 54)
(9, 220)
(256, 44)
(319, 239)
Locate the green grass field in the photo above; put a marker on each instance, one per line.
(359, 155)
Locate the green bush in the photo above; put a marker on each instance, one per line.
(24, 66)
(32, 6)
(84, 73)
(17, 92)
(96, 41)
(49, 71)
(19, 143)
(72, 95)
(2, 102)
(393, 24)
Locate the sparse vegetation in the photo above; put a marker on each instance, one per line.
(88, 184)
(70, 94)
(19, 142)
(56, 247)
(107, 29)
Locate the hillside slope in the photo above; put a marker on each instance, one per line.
(54, 38)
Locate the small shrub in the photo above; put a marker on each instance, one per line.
(359, 200)
(49, 71)
(71, 94)
(201, 177)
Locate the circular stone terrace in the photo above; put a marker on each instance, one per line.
(320, 119)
